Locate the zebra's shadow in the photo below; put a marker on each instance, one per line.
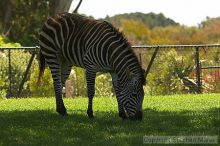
(48, 124)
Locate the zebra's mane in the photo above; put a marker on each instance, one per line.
(119, 34)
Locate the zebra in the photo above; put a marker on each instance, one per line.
(68, 40)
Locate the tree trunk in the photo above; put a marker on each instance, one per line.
(6, 18)
(62, 5)
(77, 7)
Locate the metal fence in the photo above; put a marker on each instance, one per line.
(15, 68)
(195, 49)
(18, 63)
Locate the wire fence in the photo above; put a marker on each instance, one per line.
(15, 70)
(192, 64)
(171, 69)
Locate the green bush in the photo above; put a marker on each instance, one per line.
(45, 88)
(4, 82)
(6, 43)
(78, 80)
(167, 77)
(19, 61)
(103, 85)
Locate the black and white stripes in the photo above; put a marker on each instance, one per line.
(68, 40)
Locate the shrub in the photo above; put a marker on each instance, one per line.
(78, 82)
(168, 75)
(46, 88)
(102, 84)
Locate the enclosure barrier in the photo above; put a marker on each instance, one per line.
(34, 50)
(197, 57)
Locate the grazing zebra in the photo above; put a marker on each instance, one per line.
(68, 40)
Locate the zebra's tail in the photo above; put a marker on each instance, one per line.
(41, 68)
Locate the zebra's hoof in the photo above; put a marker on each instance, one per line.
(91, 117)
(137, 117)
(62, 112)
(122, 115)
(90, 114)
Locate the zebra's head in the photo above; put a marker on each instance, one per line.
(133, 103)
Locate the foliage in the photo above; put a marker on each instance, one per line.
(138, 33)
(77, 78)
(172, 35)
(45, 88)
(210, 31)
(37, 123)
(157, 29)
(26, 17)
(104, 85)
(79, 81)
(19, 61)
(6, 43)
(26, 20)
(169, 75)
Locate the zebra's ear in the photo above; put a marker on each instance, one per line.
(130, 75)
(143, 71)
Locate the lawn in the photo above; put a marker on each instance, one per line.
(33, 121)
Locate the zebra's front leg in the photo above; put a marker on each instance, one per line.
(121, 110)
(90, 79)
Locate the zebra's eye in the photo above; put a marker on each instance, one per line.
(135, 83)
(134, 92)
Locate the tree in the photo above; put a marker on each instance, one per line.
(21, 20)
(61, 5)
(7, 10)
(136, 31)
(151, 19)
(209, 32)
(77, 7)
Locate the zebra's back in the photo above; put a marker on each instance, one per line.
(80, 41)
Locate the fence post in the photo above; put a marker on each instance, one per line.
(151, 61)
(9, 72)
(198, 71)
(140, 59)
(26, 74)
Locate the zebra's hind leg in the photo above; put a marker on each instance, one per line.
(90, 79)
(56, 75)
(121, 110)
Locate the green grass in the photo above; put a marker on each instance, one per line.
(33, 121)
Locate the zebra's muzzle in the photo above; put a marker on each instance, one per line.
(138, 116)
